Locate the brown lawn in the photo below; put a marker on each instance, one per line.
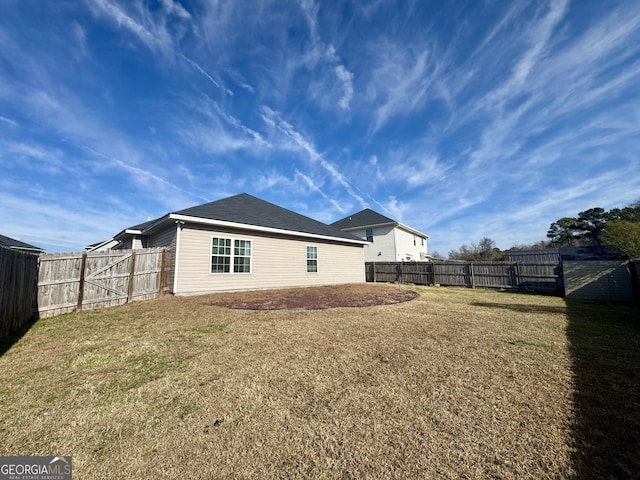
(454, 383)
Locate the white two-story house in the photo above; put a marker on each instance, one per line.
(390, 241)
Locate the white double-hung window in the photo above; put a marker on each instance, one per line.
(230, 255)
(312, 259)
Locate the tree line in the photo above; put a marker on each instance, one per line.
(619, 227)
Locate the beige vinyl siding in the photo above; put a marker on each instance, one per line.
(276, 262)
(166, 238)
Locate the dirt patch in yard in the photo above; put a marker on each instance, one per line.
(312, 298)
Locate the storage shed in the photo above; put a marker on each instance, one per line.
(596, 273)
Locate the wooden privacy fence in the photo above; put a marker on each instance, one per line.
(70, 282)
(18, 272)
(634, 266)
(534, 277)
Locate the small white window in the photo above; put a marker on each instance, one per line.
(312, 259)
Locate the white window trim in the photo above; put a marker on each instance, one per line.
(232, 256)
(317, 259)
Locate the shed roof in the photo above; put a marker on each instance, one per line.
(596, 252)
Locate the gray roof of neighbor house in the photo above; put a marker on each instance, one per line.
(14, 244)
(365, 218)
(370, 218)
(245, 209)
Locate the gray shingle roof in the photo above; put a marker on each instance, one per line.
(365, 218)
(599, 252)
(9, 242)
(249, 210)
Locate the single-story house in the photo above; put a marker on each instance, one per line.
(14, 244)
(245, 243)
(388, 240)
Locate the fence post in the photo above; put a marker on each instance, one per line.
(83, 267)
(471, 275)
(132, 272)
(516, 270)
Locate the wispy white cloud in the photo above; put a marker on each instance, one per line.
(205, 74)
(346, 79)
(321, 52)
(176, 8)
(13, 123)
(400, 81)
(413, 168)
(152, 28)
(310, 183)
(239, 79)
(274, 119)
(122, 19)
(539, 38)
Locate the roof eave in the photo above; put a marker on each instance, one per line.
(245, 226)
(388, 224)
(26, 249)
(413, 230)
(370, 225)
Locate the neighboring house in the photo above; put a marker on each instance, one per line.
(14, 244)
(245, 243)
(389, 240)
(102, 246)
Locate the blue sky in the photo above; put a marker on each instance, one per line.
(461, 119)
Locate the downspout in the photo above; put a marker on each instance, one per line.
(179, 225)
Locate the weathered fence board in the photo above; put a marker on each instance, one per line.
(634, 266)
(18, 272)
(543, 277)
(80, 281)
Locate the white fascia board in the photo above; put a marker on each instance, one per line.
(413, 230)
(255, 228)
(374, 225)
(388, 224)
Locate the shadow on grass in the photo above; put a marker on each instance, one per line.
(604, 340)
(14, 337)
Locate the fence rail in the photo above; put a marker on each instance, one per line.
(18, 272)
(70, 282)
(535, 277)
